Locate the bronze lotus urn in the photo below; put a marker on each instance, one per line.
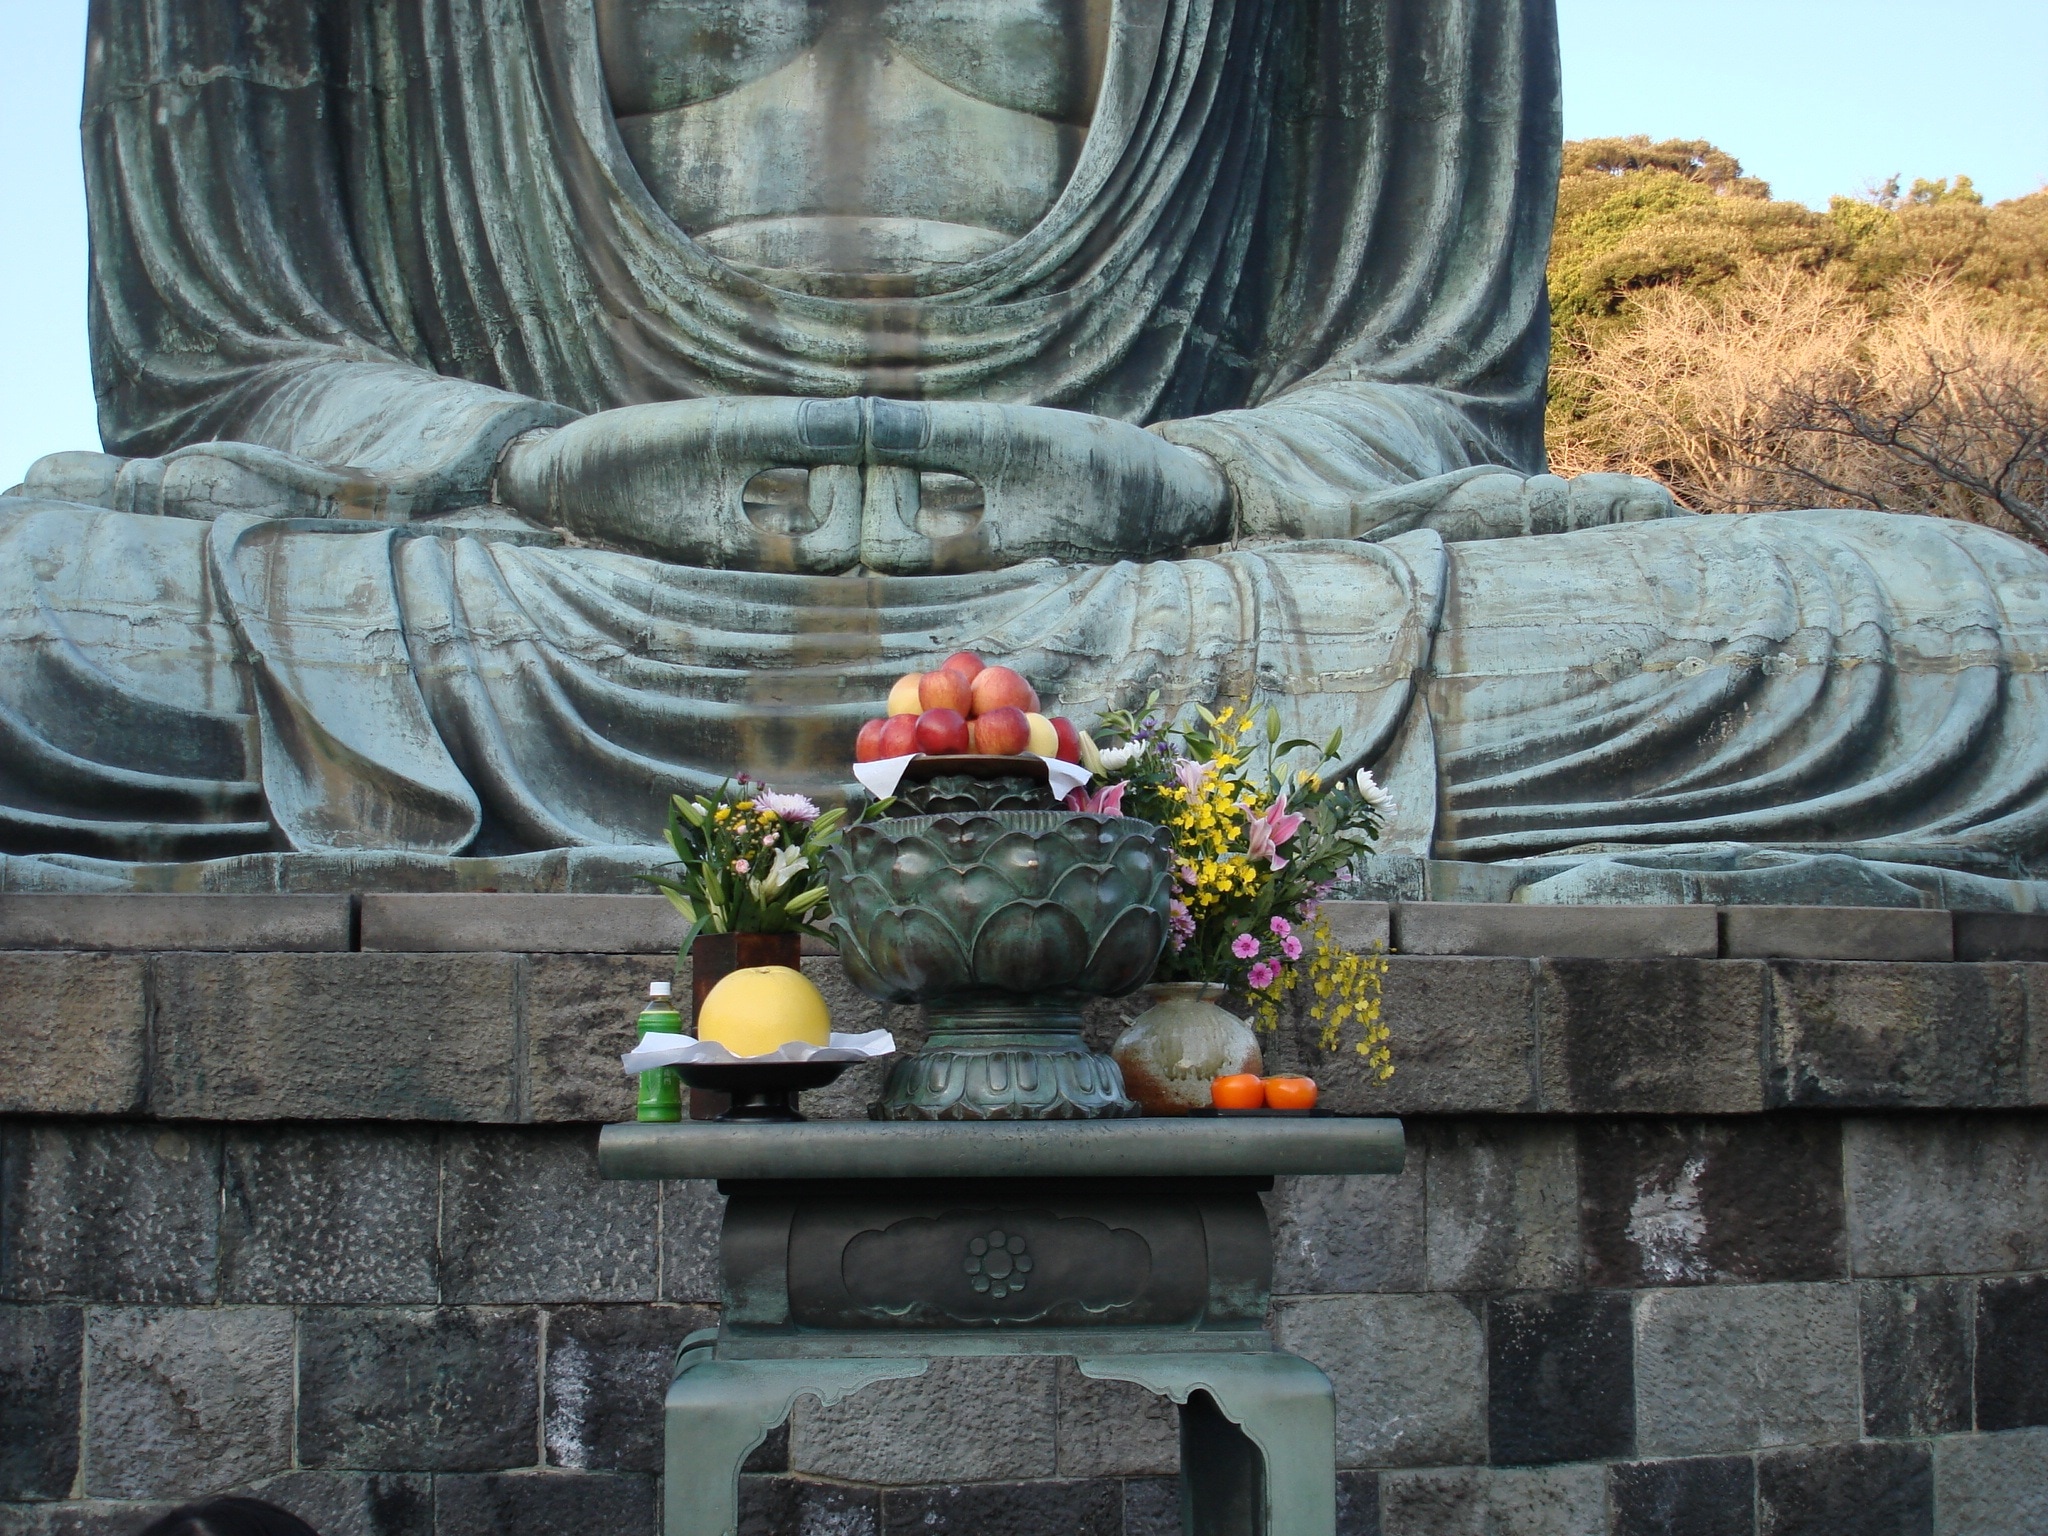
(1002, 924)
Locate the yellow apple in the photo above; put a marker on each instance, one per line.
(903, 697)
(1045, 740)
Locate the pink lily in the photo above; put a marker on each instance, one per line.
(1103, 802)
(1191, 774)
(1270, 830)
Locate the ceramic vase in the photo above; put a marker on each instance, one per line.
(1172, 1051)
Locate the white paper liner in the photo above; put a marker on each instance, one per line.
(657, 1049)
(883, 775)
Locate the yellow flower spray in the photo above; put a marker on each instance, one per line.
(1346, 992)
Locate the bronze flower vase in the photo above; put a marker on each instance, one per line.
(1002, 924)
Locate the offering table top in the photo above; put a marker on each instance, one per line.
(1199, 1147)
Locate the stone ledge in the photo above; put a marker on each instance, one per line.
(526, 923)
(148, 922)
(534, 925)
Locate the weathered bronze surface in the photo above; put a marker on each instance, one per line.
(517, 413)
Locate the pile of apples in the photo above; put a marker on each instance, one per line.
(966, 706)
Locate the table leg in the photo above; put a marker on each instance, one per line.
(718, 1411)
(1258, 1439)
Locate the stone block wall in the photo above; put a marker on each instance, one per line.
(1685, 1244)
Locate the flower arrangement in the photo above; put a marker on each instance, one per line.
(1260, 844)
(748, 860)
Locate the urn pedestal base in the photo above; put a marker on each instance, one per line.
(1005, 1059)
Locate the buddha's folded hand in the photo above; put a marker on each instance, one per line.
(697, 482)
(1052, 484)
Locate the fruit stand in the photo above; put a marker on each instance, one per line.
(1006, 1196)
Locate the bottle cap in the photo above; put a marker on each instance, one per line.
(661, 989)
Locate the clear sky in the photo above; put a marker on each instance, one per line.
(1816, 96)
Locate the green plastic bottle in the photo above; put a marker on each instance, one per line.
(661, 1091)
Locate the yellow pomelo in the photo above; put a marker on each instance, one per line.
(757, 1011)
(1045, 741)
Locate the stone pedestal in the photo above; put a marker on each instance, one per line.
(853, 1255)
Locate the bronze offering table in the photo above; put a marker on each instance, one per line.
(858, 1252)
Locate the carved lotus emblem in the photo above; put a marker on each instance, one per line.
(997, 1264)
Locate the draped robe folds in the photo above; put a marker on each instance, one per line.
(1304, 236)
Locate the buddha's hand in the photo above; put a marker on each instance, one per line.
(1052, 484)
(672, 481)
(1493, 503)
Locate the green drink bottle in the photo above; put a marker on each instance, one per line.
(661, 1091)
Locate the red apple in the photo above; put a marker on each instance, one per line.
(999, 688)
(941, 731)
(899, 736)
(946, 690)
(1003, 732)
(966, 663)
(1069, 738)
(903, 696)
(867, 746)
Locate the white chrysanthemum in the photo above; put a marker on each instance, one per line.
(1117, 759)
(1372, 794)
(788, 807)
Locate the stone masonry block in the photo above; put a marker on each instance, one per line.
(1702, 1496)
(1360, 925)
(2012, 1352)
(2034, 983)
(613, 1504)
(965, 1420)
(74, 1034)
(317, 1037)
(1837, 933)
(1736, 1367)
(779, 1506)
(1463, 1038)
(1358, 1506)
(1503, 1204)
(185, 1401)
(1410, 1374)
(525, 1217)
(172, 921)
(608, 1369)
(80, 1517)
(1946, 1194)
(1992, 1485)
(418, 1390)
(1091, 1508)
(579, 1012)
(330, 1214)
(1671, 1202)
(1918, 1347)
(1673, 1037)
(692, 1211)
(1483, 1501)
(40, 1354)
(1591, 933)
(106, 1211)
(355, 1503)
(519, 923)
(1348, 1234)
(1897, 1036)
(2001, 935)
(1113, 1428)
(1560, 1378)
(1846, 1490)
